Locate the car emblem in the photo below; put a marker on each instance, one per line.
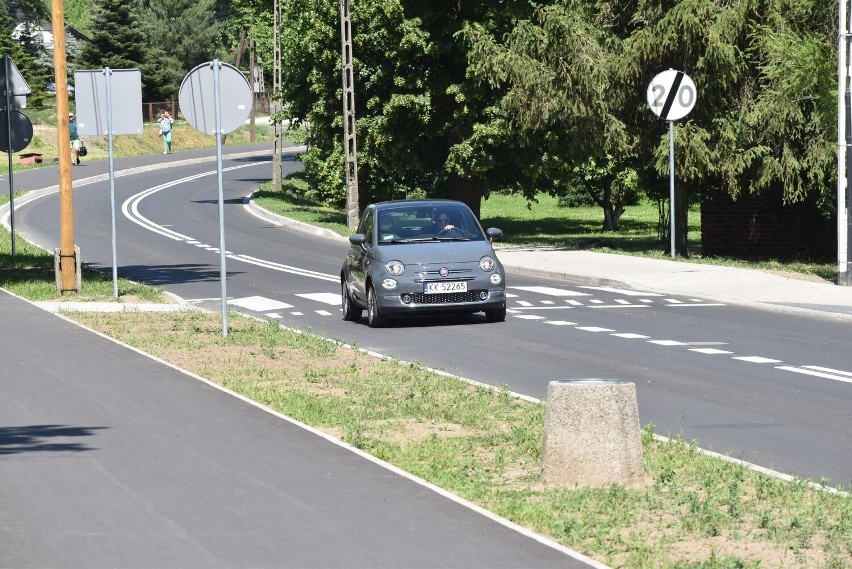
(444, 271)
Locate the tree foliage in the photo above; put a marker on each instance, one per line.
(117, 42)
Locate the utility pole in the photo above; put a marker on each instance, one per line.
(275, 107)
(67, 256)
(349, 145)
(844, 148)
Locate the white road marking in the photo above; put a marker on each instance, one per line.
(630, 336)
(710, 351)
(561, 323)
(621, 291)
(323, 312)
(619, 305)
(529, 317)
(551, 291)
(836, 375)
(595, 301)
(259, 303)
(757, 360)
(547, 302)
(524, 303)
(830, 370)
(331, 298)
(525, 307)
(274, 315)
(574, 302)
(673, 301)
(666, 342)
(594, 329)
(693, 305)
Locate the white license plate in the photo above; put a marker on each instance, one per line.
(437, 288)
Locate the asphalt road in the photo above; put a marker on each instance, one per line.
(557, 329)
(109, 458)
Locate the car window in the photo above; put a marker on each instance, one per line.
(407, 223)
(366, 226)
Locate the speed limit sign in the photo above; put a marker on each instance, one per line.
(671, 95)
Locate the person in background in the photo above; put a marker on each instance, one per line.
(76, 141)
(165, 123)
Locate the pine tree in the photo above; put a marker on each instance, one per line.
(117, 42)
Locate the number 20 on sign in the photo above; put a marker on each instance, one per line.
(671, 95)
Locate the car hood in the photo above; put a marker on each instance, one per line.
(432, 253)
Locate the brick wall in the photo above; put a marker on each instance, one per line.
(760, 227)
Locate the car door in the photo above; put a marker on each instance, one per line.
(359, 257)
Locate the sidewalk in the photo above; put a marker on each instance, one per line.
(749, 287)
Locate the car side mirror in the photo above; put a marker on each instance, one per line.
(358, 239)
(494, 234)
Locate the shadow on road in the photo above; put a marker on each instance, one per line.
(43, 438)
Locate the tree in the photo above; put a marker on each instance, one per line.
(766, 113)
(422, 127)
(117, 42)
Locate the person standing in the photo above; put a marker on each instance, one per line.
(76, 141)
(166, 131)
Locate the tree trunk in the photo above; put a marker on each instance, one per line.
(468, 191)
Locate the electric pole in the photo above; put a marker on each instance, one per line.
(349, 146)
(276, 94)
(67, 255)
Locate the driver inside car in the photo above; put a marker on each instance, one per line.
(442, 222)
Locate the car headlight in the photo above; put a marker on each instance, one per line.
(395, 268)
(486, 264)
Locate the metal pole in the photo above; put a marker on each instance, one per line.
(9, 100)
(671, 188)
(108, 74)
(844, 261)
(223, 274)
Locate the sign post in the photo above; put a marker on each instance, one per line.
(671, 95)
(215, 98)
(19, 130)
(96, 92)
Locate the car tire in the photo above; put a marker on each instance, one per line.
(374, 317)
(351, 312)
(496, 314)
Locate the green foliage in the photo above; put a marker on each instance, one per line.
(118, 41)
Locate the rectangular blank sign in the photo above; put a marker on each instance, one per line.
(90, 90)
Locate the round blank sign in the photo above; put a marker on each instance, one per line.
(197, 98)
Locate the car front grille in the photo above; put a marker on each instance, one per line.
(446, 298)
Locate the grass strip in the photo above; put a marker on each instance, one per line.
(485, 446)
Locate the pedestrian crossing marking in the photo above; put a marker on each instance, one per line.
(621, 291)
(757, 360)
(332, 298)
(551, 291)
(259, 303)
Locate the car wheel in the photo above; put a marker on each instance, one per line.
(351, 312)
(496, 315)
(374, 317)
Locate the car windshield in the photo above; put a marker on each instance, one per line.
(414, 224)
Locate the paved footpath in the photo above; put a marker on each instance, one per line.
(109, 458)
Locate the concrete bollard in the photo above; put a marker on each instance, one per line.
(592, 434)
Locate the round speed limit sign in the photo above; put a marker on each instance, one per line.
(671, 95)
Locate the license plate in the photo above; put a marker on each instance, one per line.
(442, 287)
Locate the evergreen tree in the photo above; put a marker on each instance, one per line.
(34, 70)
(117, 42)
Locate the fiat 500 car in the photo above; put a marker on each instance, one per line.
(421, 257)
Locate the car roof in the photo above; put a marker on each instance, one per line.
(417, 203)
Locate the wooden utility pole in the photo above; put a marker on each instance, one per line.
(349, 145)
(68, 262)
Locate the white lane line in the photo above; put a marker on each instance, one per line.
(813, 370)
(594, 329)
(543, 307)
(692, 305)
(323, 312)
(547, 302)
(259, 303)
(596, 301)
(274, 315)
(710, 351)
(666, 342)
(550, 291)
(619, 305)
(622, 301)
(331, 298)
(646, 300)
(673, 301)
(621, 291)
(630, 336)
(285, 268)
(830, 370)
(524, 303)
(757, 360)
(561, 323)
(297, 313)
(574, 302)
(528, 317)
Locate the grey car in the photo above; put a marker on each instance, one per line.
(413, 257)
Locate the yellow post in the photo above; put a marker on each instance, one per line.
(67, 264)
